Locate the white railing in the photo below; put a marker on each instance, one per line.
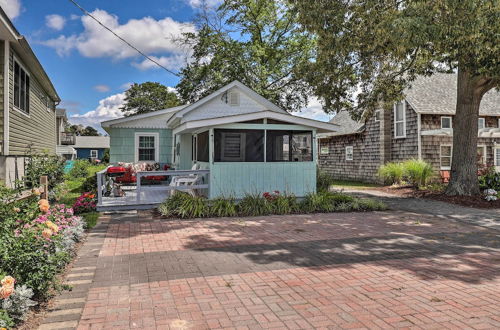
(163, 186)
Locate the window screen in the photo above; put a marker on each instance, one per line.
(234, 145)
(285, 146)
(399, 120)
(21, 88)
(146, 148)
(202, 147)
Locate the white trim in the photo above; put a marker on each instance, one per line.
(446, 168)
(157, 146)
(108, 123)
(498, 122)
(451, 122)
(351, 153)
(293, 120)
(96, 153)
(401, 121)
(377, 112)
(480, 119)
(6, 97)
(496, 155)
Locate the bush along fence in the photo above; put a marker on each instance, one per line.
(413, 171)
(182, 205)
(37, 241)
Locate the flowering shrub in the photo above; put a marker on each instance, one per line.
(85, 203)
(37, 241)
(270, 197)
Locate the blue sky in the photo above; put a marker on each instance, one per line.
(89, 67)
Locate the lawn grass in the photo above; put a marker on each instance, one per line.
(74, 186)
(354, 184)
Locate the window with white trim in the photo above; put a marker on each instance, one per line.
(147, 149)
(446, 122)
(93, 154)
(400, 120)
(349, 153)
(377, 115)
(481, 123)
(445, 157)
(497, 157)
(481, 155)
(21, 88)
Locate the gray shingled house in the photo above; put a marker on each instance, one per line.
(419, 127)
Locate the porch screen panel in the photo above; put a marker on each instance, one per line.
(286, 146)
(147, 148)
(234, 145)
(202, 141)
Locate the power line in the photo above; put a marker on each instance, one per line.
(122, 39)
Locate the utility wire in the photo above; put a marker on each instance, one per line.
(125, 41)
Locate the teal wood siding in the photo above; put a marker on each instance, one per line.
(237, 179)
(122, 144)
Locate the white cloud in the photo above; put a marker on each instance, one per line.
(314, 111)
(126, 85)
(11, 7)
(154, 37)
(108, 108)
(204, 3)
(102, 88)
(172, 62)
(74, 17)
(55, 22)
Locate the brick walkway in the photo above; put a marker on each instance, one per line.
(352, 270)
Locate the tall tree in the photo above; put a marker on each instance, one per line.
(148, 97)
(257, 42)
(380, 46)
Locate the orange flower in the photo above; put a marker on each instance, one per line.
(8, 281)
(91, 196)
(44, 205)
(52, 226)
(47, 233)
(6, 291)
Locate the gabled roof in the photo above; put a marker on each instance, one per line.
(167, 112)
(97, 142)
(437, 94)
(346, 124)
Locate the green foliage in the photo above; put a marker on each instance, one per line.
(193, 207)
(490, 180)
(418, 172)
(170, 206)
(391, 173)
(323, 180)
(5, 320)
(223, 207)
(148, 97)
(105, 156)
(285, 204)
(80, 169)
(90, 219)
(253, 205)
(257, 42)
(90, 184)
(39, 164)
(80, 130)
(338, 202)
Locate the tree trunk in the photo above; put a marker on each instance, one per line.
(464, 181)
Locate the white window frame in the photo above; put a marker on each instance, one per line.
(498, 122)
(96, 153)
(451, 122)
(157, 147)
(401, 121)
(496, 155)
(23, 111)
(377, 116)
(445, 168)
(485, 156)
(481, 120)
(349, 155)
(324, 150)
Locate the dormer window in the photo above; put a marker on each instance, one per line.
(234, 99)
(446, 122)
(481, 123)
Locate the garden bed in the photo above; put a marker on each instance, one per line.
(468, 201)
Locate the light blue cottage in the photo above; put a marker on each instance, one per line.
(248, 144)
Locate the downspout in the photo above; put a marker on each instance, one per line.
(419, 135)
(6, 97)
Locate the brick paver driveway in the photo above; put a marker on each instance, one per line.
(352, 270)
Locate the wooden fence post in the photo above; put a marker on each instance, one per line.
(44, 182)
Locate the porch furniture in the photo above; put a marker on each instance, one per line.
(133, 168)
(189, 180)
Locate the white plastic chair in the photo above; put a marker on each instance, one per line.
(187, 180)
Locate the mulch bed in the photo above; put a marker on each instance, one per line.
(468, 201)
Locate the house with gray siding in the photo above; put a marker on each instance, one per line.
(420, 127)
(27, 103)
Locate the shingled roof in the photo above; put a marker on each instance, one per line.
(437, 94)
(346, 124)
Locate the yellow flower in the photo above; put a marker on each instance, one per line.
(47, 233)
(52, 226)
(8, 281)
(36, 192)
(17, 210)
(6, 291)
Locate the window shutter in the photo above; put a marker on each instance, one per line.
(234, 98)
(233, 147)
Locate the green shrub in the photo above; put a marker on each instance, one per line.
(193, 207)
(80, 169)
(254, 205)
(391, 173)
(171, 205)
(323, 180)
(284, 204)
(490, 180)
(417, 172)
(339, 198)
(90, 184)
(39, 164)
(222, 207)
(366, 204)
(319, 202)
